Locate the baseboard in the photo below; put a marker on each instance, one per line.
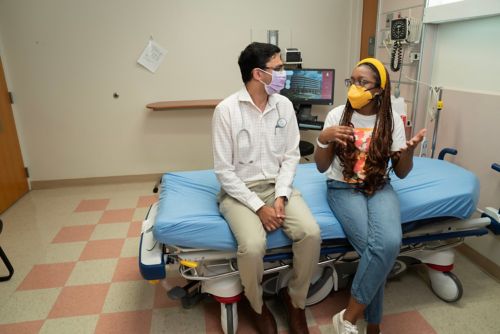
(90, 181)
(486, 264)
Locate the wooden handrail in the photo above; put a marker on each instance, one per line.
(188, 104)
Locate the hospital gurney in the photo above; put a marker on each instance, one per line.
(185, 230)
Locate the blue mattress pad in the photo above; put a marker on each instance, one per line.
(188, 214)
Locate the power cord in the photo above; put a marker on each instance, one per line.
(396, 50)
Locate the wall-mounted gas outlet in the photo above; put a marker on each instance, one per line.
(386, 38)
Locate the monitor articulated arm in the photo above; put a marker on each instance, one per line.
(303, 112)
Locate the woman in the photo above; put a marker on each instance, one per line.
(354, 148)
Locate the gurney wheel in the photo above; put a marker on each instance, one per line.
(446, 285)
(229, 318)
(321, 288)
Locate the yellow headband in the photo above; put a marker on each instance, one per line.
(379, 66)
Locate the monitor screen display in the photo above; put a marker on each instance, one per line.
(309, 86)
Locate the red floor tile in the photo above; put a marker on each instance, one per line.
(127, 269)
(134, 229)
(335, 302)
(407, 322)
(124, 322)
(43, 276)
(145, 201)
(102, 249)
(74, 233)
(29, 327)
(92, 205)
(117, 216)
(79, 300)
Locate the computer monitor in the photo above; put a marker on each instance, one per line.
(305, 87)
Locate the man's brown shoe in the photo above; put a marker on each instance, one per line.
(265, 322)
(296, 317)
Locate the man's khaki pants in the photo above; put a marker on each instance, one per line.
(300, 226)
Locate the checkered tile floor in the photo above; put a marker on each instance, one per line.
(75, 254)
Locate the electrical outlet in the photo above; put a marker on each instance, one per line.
(414, 56)
(388, 20)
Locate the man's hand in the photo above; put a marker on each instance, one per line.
(279, 207)
(269, 219)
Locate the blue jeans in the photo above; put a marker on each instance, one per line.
(372, 224)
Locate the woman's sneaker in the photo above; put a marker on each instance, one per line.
(341, 326)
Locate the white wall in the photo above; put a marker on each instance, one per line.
(466, 55)
(65, 59)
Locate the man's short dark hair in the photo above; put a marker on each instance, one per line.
(255, 55)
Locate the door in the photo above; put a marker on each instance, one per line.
(368, 29)
(13, 181)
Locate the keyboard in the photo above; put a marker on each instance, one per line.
(312, 125)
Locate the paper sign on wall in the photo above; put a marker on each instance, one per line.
(152, 56)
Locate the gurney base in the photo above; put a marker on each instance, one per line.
(189, 295)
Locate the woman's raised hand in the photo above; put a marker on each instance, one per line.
(412, 143)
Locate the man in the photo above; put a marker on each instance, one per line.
(256, 152)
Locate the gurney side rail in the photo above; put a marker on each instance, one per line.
(192, 274)
(443, 236)
(410, 244)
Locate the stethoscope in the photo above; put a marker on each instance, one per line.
(243, 137)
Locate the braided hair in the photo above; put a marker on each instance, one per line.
(379, 151)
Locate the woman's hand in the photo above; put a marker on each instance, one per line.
(338, 134)
(412, 143)
(405, 162)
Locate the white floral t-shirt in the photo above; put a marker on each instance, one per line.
(363, 129)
